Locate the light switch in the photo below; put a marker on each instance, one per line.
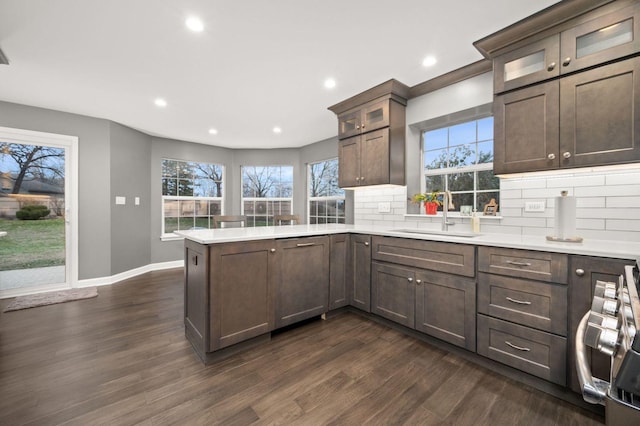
(534, 206)
(384, 207)
(137, 201)
(121, 201)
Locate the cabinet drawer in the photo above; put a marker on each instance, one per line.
(451, 258)
(531, 303)
(542, 266)
(532, 351)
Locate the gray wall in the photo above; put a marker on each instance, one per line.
(94, 210)
(115, 160)
(130, 178)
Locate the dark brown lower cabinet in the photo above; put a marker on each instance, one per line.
(393, 293)
(446, 307)
(196, 295)
(437, 304)
(583, 274)
(359, 272)
(242, 289)
(533, 351)
(338, 267)
(302, 288)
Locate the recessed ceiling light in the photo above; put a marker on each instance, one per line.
(429, 61)
(160, 103)
(213, 131)
(329, 83)
(194, 24)
(277, 130)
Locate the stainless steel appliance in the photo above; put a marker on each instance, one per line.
(611, 327)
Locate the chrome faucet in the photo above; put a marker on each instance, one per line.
(447, 204)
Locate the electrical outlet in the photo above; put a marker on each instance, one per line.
(121, 201)
(534, 206)
(384, 207)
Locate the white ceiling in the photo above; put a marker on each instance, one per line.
(258, 63)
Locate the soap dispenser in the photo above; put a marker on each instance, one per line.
(475, 222)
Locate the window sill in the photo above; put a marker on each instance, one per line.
(171, 237)
(454, 215)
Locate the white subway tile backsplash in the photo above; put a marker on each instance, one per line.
(607, 206)
(510, 193)
(626, 202)
(592, 202)
(623, 178)
(575, 181)
(623, 225)
(590, 224)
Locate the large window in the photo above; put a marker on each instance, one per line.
(266, 191)
(191, 194)
(326, 198)
(459, 159)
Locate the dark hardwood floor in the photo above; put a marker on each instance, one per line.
(122, 358)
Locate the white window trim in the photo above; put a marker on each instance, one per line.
(170, 236)
(329, 198)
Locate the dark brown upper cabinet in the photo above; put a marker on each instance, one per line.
(371, 129)
(594, 42)
(566, 84)
(372, 116)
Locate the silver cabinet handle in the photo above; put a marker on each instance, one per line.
(566, 155)
(366, 243)
(580, 272)
(357, 179)
(418, 282)
(519, 302)
(566, 61)
(305, 244)
(410, 279)
(514, 263)
(272, 250)
(551, 156)
(194, 260)
(551, 66)
(519, 348)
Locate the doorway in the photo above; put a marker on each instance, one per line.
(38, 212)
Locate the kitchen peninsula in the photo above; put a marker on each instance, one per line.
(243, 283)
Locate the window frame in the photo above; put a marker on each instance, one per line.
(451, 120)
(310, 199)
(265, 199)
(168, 236)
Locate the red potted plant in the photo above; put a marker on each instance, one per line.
(430, 200)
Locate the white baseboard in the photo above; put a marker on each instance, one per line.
(91, 282)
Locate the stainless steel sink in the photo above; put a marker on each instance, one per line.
(435, 232)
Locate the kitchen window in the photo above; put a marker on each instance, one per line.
(266, 191)
(459, 158)
(326, 199)
(191, 194)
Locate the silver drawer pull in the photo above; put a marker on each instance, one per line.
(519, 302)
(305, 244)
(514, 263)
(519, 348)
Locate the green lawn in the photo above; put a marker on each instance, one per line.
(31, 243)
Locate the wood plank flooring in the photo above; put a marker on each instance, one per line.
(122, 359)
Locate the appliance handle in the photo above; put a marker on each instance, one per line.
(594, 390)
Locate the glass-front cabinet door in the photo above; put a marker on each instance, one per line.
(535, 62)
(375, 116)
(349, 124)
(600, 40)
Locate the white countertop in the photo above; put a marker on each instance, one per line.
(590, 247)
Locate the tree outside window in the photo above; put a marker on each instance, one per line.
(266, 191)
(459, 159)
(326, 198)
(191, 194)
